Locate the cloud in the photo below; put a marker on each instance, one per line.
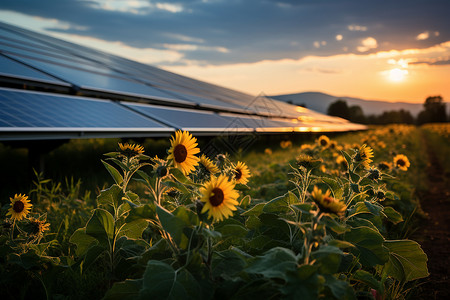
(367, 44)
(423, 36)
(357, 28)
(250, 30)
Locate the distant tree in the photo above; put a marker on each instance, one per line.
(339, 108)
(356, 114)
(396, 116)
(434, 111)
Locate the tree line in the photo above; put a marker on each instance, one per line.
(434, 111)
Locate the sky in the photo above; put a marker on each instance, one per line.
(397, 50)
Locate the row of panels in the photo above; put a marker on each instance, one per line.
(31, 56)
(34, 115)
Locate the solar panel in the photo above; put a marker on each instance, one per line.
(152, 100)
(37, 111)
(11, 68)
(184, 119)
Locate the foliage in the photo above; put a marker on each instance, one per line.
(326, 233)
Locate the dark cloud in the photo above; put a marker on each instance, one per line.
(254, 30)
(433, 63)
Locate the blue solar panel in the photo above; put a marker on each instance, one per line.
(40, 110)
(15, 69)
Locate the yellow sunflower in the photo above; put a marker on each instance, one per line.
(364, 155)
(183, 150)
(38, 227)
(241, 173)
(323, 141)
(20, 207)
(326, 203)
(208, 164)
(131, 149)
(219, 198)
(401, 162)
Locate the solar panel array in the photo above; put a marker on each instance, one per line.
(56, 89)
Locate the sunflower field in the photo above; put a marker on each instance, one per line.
(327, 218)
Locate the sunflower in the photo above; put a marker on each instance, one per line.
(323, 141)
(241, 173)
(20, 207)
(183, 150)
(131, 149)
(401, 162)
(364, 155)
(208, 164)
(268, 151)
(219, 198)
(38, 227)
(160, 167)
(326, 203)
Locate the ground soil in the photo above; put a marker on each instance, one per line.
(434, 231)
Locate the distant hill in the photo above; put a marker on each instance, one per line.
(320, 102)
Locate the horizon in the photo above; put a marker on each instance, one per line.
(271, 47)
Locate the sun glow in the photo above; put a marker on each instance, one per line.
(397, 75)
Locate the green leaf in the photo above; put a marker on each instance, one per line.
(305, 208)
(111, 196)
(101, 226)
(341, 244)
(92, 255)
(275, 263)
(335, 186)
(281, 203)
(369, 244)
(392, 215)
(228, 262)
(354, 177)
(245, 202)
(335, 226)
(368, 279)
(341, 290)
(233, 230)
(125, 290)
(255, 210)
(329, 258)
(176, 185)
(82, 241)
(160, 281)
(133, 229)
(303, 284)
(173, 225)
(407, 261)
(347, 157)
(146, 212)
(114, 173)
(180, 176)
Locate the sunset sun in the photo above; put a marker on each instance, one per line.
(397, 75)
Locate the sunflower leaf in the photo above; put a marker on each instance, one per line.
(113, 172)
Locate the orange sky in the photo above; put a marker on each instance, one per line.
(391, 76)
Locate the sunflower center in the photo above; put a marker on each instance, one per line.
(401, 162)
(238, 174)
(18, 206)
(180, 153)
(323, 142)
(217, 198)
